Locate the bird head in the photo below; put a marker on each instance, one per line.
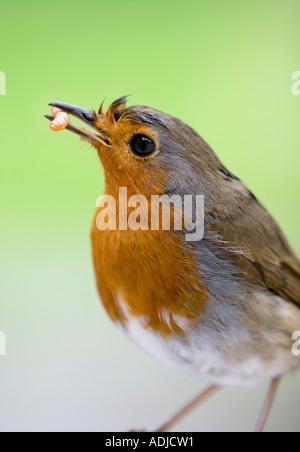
(143, 148)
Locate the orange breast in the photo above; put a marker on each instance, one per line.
(150, 275)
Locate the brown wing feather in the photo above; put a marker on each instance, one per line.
(265, 254)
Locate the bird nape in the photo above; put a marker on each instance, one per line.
(222, 307)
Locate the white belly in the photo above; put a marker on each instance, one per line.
(200, 356)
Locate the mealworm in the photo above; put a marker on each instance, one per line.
(60, 121)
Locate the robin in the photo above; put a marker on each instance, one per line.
(222, 308)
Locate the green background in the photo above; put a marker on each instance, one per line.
(225, 68)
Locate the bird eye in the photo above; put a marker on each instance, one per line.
(142, 145)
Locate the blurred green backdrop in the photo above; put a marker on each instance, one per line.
(223, 67)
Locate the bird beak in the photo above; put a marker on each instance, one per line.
(87, 116)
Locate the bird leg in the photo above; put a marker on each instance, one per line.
(267, 406)
(188, 408)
